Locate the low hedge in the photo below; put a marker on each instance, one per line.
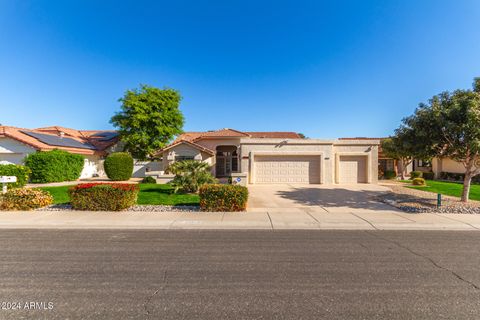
(428, 175)
(418, 182)
(119, 166)
(54, 166)
(458, 177)
(21, 172)
(416, 174)
(103, 196)
(223, 197)
(25, 199)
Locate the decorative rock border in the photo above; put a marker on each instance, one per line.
(418, 201)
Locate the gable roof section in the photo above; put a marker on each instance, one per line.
(190, 143)
(71, 140)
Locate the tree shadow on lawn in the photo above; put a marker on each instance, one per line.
(336, 197)
(157, 190)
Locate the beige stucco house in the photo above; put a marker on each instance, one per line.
(275, 157)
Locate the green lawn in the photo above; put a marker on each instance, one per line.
(449, 188)
(149, 194)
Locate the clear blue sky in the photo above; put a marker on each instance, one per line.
(325, 68)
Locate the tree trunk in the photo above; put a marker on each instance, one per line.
(400, 168)
(466, 186)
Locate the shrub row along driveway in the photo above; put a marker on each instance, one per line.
(153, 194)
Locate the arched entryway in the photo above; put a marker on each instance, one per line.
(226, 161)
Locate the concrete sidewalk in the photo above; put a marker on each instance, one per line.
(312, 218)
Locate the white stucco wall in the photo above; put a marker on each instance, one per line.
(13, 151)
(140, 167)
(92, 167)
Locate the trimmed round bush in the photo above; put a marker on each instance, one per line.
(54, 166)
(223, 197)
(21, 172)
(103, 196)
(149, 179)
(389, 174)
(119, 166)
(25, 199)
(416, 174)
(418, 182)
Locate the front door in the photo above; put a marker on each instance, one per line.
(223, 167)
(226, 161)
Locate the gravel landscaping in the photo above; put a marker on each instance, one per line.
(136, 208)
(417, 201)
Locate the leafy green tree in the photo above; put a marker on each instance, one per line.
(149, 119)
(449, 126)
(396, 148)
(302, 135)
(190, 175)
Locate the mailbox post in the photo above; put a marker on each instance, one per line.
(7, 179)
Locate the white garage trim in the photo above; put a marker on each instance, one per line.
(354, 154)
(251, 161)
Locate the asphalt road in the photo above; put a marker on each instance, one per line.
(146, 274)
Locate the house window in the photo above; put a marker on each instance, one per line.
(424, 163)
(182, 158)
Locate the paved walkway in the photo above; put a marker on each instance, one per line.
(312, 218)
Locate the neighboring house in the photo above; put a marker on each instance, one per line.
(275, 157)
(94, 145)
(447, 166)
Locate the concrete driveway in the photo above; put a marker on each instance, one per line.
(326, 198)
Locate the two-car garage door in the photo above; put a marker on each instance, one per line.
(287, 169)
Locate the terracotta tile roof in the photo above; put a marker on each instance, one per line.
(275, 135)
(86, 137)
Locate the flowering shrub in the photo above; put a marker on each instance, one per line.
(103, 196)
(223, 197)
(25, 199)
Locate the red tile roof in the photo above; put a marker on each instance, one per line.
(275, 135)
(82, 136)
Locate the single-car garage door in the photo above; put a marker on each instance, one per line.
(352, 169)
(287, 169)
